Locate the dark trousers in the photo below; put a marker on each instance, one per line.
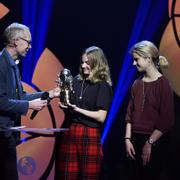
(8, 158)
(155, 168)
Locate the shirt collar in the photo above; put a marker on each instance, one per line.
(11, 60)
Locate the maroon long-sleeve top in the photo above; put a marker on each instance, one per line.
(151, 106)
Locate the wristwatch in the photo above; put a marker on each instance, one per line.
(150, 141)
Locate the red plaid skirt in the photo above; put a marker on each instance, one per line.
(80, 154)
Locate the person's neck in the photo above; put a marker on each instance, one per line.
(86, 77)
(12, 52)
(151, 74)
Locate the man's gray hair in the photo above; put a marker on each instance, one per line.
(13, 31)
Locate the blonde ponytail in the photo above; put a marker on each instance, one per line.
(163, 62)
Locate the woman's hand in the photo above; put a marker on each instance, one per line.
(146, 153)
(130, 149)
(61, 105)
(73, 107)
(68, 106)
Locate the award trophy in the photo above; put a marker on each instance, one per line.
(65, 82)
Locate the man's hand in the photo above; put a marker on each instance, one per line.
(37, 104)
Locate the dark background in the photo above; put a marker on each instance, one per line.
(78, 24)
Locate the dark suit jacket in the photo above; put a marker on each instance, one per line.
(12, 105)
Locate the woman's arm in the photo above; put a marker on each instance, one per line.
(128, 131)
(147, 148)
(99, 115)
(129, 146)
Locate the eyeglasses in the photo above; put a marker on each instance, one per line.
(29, 42)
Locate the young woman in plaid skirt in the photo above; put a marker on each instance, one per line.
(79, 154)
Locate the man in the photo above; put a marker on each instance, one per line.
(14, 102)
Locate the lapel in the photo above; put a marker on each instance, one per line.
(12, 80)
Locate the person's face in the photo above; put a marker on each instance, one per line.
(23, 43)
(141, 63)
(86, 69)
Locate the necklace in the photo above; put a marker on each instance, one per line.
(82, 90)
(143, 97)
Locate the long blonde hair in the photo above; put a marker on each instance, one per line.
(148, 49)
(99, 65)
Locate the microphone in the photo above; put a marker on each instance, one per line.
(44, 96)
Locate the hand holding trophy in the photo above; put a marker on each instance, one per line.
(65, 80)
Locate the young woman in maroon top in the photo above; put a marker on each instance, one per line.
(150, 114)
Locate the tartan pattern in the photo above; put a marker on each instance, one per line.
(80, 154)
